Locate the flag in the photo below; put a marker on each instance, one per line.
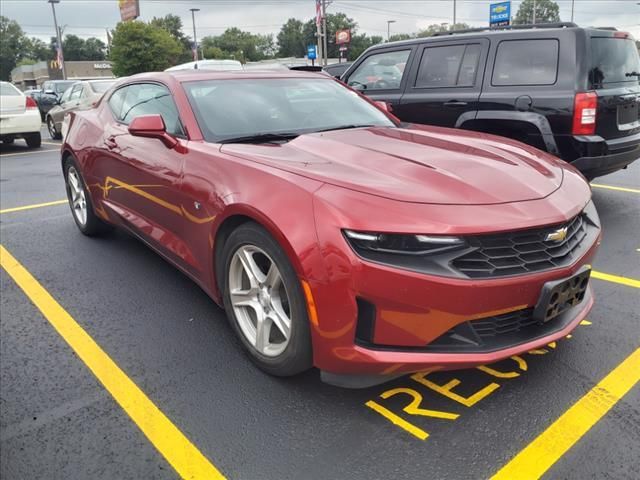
(318, 13)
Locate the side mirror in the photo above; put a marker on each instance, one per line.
(51, 92)
(152, 126)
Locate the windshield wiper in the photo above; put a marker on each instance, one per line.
(343, 127)
(262, 138)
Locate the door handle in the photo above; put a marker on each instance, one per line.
(455, 103)
(110, 142)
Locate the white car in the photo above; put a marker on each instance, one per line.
(19, 116)
(219, 65)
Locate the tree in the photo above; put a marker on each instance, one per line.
(399, 36)
(173, 25)
(239, 45)
(94, 49)
(140, 47)
(439, 28)
(291, 39)
(359, 43)
(13, 46)
(38, 50)
(547, 11)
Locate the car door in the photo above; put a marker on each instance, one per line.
(381, 75)
(141, 177)
(69, 102)
(444, 83)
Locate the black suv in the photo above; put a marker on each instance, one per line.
(573, 92)
(52, 91)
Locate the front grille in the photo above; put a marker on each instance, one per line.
(526, 251)
(487, 328)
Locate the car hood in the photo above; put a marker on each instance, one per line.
(422, 165)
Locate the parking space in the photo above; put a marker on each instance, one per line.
(172, 342)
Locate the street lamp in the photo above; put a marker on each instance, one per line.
(195, 40)
(389, 22)
(58, 37)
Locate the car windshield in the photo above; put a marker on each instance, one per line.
(613, 60)
(236, 108)
(60, 87)
(6, 89)
(102, 86)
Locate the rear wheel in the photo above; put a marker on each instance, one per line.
(53, 133)
(264, 302)
(34, 140)
(80, 202)
(8, 141)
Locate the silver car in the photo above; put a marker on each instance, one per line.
(80, 96)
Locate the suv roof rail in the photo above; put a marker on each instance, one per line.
(509, 27)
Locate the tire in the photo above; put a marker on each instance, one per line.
(79, 199)
(53, 132)
(8, 141)
(34, 140)
(284, 356)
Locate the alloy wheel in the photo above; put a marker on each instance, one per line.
(52, 128)
(77, 196)
(260, 300)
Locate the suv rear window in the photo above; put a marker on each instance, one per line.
(526, 62)
(611, 60)
(448, 66)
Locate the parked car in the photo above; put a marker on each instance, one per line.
(217, 65)
(33, 93)
(52, 91)
(337, 69)
(332, 234)
(573, 92)
(80, 96)
(19, 117)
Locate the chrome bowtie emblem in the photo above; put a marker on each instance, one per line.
(557, 236)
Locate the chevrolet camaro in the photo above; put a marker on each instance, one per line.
(332, 234)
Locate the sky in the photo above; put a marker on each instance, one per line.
(87, 18)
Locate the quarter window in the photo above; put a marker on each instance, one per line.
(381, 71)
(448, 66)
(146, 99)
(526, 62)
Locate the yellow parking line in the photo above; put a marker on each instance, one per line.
(612, 187)
(629, 282)
(42, 150)
(36, 205)
(172, 444)
(555, 441)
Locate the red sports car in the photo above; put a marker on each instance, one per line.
(333, 235)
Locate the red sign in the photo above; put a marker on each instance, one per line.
(343, 36)
(129, 9)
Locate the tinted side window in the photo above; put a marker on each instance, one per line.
(526, 62)
(448, 66)
(381, 71)
(76, 92)
(146, 99)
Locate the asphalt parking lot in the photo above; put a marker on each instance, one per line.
(198, 407)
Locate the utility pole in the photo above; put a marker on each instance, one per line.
(453, 27)
(195, 39)
(325, 50)
(534, 12)
(389, 22)
(573, 2)
(59, 38)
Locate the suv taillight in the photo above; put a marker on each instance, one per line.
(584, 113)
(31, 103)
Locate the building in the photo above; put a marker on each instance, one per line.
(32, 76)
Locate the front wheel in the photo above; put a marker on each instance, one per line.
(264, 301)
(53, 133)
(80, 202)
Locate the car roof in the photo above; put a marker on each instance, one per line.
(196, 75)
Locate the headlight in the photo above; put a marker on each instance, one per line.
(402, 244)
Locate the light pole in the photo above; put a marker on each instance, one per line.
(59, 38)
(389, 22)
(534, 12)
(195, 40)
(454, 15)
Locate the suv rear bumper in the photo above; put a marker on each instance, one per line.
(607, 156)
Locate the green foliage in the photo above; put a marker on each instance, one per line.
(360, 42)
(12, 46)
(239, 45)
(439, 28)
(140, 47)
(547, 11)
(291, 39)
(173, 25)
(26, 61)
